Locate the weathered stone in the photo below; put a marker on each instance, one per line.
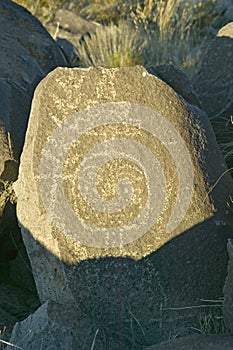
(177, 79)
(14, 111)
(74, 23)
(228, 291)
(131, 259)
(68, 28)
(214, 81)
(229, 13)
(197, 342)
(49, 327)
(69, 50)
(28, 53)
(227, 30)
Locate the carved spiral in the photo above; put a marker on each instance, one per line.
(108, 173)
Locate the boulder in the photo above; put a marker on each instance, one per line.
(45, 330)
(197, 342)
(67, 28)
(28, 54)
(214, 82)
(118, 204)
(177, 79)
(69, 50)
(74, 23)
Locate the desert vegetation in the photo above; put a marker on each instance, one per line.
(147, 32)
(141, 31)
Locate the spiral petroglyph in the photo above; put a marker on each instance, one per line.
(103, 179)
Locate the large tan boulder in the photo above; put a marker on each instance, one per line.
(118, 204)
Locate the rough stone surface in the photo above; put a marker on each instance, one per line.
(227, 30)
(132, 274)
(67, 28)
(228, 291)
(178, 80)
(214, 82)
(69, 50)
(74, 23)
(197, 342)
(28, 53)
(48, 328)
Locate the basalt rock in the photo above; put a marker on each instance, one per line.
(28, 54)
(178, 80)
(214, 82)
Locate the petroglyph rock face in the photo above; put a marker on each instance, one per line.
(115, 166)
(121, 193)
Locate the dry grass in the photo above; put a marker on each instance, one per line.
(156, 32)
(113, 46)
(223, 128)
(209, 322)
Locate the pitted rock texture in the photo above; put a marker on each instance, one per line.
(178, 80)
(214, 82)
(117, 209)
(46, 329)
(28, 53)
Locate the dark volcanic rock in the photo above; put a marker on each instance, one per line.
(197, 342)
(50, 327)
(27, 54)
(214, 82)
(177, 79)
